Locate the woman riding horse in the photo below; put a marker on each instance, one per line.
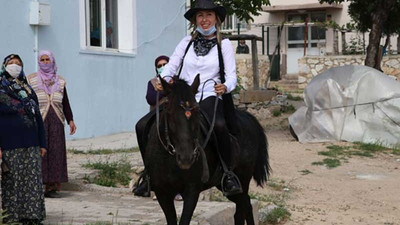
(205, 53)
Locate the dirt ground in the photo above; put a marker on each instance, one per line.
(361, 191)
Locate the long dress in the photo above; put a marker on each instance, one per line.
(21, 137)
(54, 163)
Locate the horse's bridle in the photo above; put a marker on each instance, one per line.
(170, 148)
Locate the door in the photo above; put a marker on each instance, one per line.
(315, 38)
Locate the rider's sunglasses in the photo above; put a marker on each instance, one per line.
(161, 65)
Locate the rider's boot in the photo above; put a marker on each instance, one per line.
(142, 186)
(230, 182)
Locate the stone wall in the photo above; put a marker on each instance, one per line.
(244, 69)
(311, 66)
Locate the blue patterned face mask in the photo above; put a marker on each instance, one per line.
(206, 32)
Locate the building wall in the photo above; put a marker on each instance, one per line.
(311, 66)
(340, 16)
(106, 91)
(16, 34)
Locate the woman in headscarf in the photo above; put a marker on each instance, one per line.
(22, 144)
(151, 95)
(55, 108)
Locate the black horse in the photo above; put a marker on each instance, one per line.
(176, 162)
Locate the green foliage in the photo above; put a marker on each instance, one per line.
(294, 98)
(243, 9)
(110, 174)
(103, 151)
(354, 47)
(3, 215)
(277, 215)
(361, 12)
(277, 185)
(276, 199)
(288, 109)
(239, 87)
(337, 153)
(217, 196)
(99, 223)
(277, 112)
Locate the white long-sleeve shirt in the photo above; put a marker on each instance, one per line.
(207, 66)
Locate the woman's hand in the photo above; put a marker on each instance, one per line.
(220, 89)
(159, 86)
(43, 151)
(72, 127)
(0, 154)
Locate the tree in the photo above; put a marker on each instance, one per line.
(243, 9)
(377, 16)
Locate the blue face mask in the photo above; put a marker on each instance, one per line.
(159, 70)
(206, 32)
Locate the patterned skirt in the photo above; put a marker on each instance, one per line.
(21, 188)
(54, 165)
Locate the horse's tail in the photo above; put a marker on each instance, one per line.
(262, 168)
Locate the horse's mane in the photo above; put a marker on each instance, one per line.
(181, 90)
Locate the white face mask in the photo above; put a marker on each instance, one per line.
(14, 70)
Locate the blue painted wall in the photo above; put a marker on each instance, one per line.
(106, 92)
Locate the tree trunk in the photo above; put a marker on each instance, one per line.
(379, 17)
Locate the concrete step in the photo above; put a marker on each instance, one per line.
(290, 77)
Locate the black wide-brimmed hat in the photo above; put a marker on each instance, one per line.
(206, 5)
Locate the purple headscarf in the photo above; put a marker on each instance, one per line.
(49, 81)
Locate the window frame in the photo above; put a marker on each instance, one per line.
(310, 26)
(234, 24)
(126, 29)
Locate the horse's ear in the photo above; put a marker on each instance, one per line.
(195, 84)
(166, 86)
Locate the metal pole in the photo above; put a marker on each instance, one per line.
(279, 45)
(263, 42)
(238, 27)
(268, 40)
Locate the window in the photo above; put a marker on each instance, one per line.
(296, 32)
(108, 25)
(231, 23)
(102, 23)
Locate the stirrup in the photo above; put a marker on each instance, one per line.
(237, 181)
(144, 179)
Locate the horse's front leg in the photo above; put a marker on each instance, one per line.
(190, 198)
(166, 201)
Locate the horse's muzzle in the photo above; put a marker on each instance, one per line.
(185, 161)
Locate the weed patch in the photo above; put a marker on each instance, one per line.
(276, 185)
(337, 154)
(103, 151)
(276, 113)
(305, 172)
(277, 215)
(111, 174)
(294, 98)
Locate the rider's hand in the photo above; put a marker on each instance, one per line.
(220, 89)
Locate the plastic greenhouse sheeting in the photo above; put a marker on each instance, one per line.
(350, 103)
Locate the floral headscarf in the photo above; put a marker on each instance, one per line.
(18, 89)
(49, 81)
